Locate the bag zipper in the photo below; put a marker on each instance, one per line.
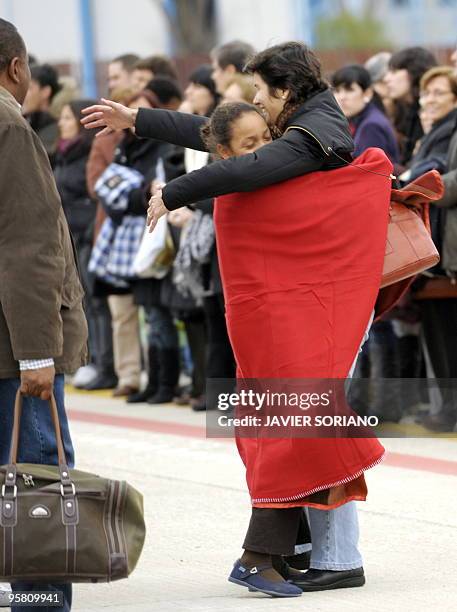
(37, 492)
(28, 480)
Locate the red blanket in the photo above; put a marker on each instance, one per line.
(301, 263)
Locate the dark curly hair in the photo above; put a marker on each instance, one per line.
(218, 130)
(291, 66)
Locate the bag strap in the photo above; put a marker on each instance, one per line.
(55, 421)
(8, 494)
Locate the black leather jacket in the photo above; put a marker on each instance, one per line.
(312, 135)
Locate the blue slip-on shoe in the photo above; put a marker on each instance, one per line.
(251, 578)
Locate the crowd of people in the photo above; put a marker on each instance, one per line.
(174, 322)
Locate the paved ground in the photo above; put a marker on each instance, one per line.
(197, 510)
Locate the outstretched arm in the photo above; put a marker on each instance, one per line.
(292, 155)
(288, 157)
(177, 128)
(170, 126)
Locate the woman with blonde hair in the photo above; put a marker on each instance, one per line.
(240, 89)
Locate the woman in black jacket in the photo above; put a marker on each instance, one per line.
(406, 68)
(73, 150)
(438, 309)
(70, 171)
(311, 134)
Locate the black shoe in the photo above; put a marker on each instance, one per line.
(299, 562)
(388, 415)
(439, 423)
(141, 396)
(167, 376)
(325, 580)
(286, 571)
(102, 381)
(163, 396)
(153, 379)
(198, 404)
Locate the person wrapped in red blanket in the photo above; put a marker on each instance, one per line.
(300, 288)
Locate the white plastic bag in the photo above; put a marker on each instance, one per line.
(156, 253)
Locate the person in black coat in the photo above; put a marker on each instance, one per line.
(70, 173)
(70, 170)
(202, 98)
(144, 155)
(438, 312)
(406, 68)
(44, 85)
(371, 128)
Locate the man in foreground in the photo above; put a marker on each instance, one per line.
(43, 332)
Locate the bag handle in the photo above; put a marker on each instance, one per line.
(8, 494)
(65, 476)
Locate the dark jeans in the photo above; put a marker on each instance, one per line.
(162, 332)
(220, 360)
(37, 444)
(102, 331)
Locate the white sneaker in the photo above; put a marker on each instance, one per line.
(5, 590)
(84, 376)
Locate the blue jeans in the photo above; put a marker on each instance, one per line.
(37, 444)
(162, 332)
(335, 533)
(335, 536)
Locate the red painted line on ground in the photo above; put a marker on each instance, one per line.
(399, 460)
(178, 429)
(423, 464)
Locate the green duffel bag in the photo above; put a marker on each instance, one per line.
(64, 525)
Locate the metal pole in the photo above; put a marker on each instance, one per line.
(418, 21)
(171, 11)
(89, 80)
(304, 20)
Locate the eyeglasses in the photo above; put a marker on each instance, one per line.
(436, 93)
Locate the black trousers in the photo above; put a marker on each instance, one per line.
(103, 335)
(97, 313)
(220, 360)
(439, 327)
(276, 531)
(196, 336)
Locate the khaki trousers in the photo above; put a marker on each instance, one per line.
(126, 340)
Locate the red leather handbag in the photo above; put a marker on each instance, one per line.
(409, 248)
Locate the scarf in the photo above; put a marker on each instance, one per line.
(197, 241)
